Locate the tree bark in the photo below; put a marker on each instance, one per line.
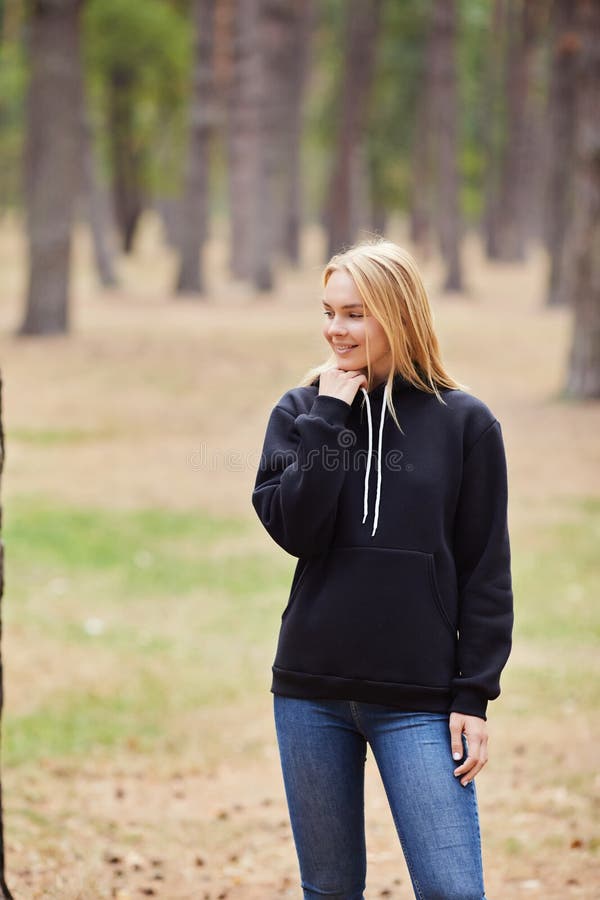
(515, 184)
(561, 126)
(445, 109)
(492, 136)
(98, 210)
(128, 196)
(583, 379)
(297, 67)
(4, 891)
(362, 29)
(422, 173)
(244, 134)
(195, 205)
(52, 163)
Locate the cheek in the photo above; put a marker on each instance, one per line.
(377, 338)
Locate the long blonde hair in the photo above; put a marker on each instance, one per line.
(392, 290)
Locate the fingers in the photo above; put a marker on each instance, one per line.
(456, 745)
(477, 749)
(476, 759)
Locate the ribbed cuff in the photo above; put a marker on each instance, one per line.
(332, 409)
(469, 703)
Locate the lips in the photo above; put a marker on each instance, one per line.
(342, 347)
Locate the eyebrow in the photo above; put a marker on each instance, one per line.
(346, 306)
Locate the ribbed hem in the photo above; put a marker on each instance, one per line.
(413, 697)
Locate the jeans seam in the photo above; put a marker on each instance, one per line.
(356, 716)
(407, 858)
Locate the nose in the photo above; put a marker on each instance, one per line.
(336, 326)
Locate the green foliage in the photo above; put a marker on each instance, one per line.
(394, 100)
(147, 47)
(13, 83)
(473, 62)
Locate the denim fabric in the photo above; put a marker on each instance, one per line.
(323, 747)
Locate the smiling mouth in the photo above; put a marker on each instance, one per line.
(342, 347)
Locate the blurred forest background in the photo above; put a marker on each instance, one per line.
(465, 115)
(173, 176)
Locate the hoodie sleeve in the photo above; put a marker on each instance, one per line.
(482, 557)
(300, 475)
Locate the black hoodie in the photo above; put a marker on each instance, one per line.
(405, 599)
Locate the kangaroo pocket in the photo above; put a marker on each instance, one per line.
(369, 613)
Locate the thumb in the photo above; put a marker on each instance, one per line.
(456, 728)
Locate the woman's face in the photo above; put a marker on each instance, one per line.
(347, 324)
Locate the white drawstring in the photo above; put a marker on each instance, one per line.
(366, 495)
(366, 492)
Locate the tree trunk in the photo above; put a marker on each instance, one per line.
(52, 166)
(4, 891)
(583, 242)
(196, 198)
(277, 19)
(422, 166)
(260, 41)
(561, 125)
(362, 28)
(126, 162)
(300, 33)
(445, 108)
(98, 210)
(492, 130)
(515, 186)
(244, 134)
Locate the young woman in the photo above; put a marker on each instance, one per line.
(399, 619)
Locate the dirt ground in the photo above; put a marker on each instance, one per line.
(129, 829)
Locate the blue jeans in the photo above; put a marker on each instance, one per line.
(323, 745)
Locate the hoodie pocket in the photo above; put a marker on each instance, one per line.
(369, 613)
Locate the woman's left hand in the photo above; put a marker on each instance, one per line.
(475, 730)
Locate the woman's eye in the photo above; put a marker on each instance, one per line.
(352, 315)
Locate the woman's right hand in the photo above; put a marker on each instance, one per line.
(342, 384)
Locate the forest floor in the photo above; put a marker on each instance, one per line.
(143, 597)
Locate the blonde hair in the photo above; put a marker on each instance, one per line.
(392, 290)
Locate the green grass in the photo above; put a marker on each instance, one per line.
(556, 587)
(189, 613)
(82, 720)
(188, 618)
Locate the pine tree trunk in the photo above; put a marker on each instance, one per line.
(244, 134)
(515, 185)
(126, 162)
(298, 67)
(422, 174)
(363, 19)
(583, 241)
(445, 105)
(4, 891)
(97, 205)
(195, 205)
(52, 167)
(492, 129)
(561, 126)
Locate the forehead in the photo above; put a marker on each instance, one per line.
(341, 290)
